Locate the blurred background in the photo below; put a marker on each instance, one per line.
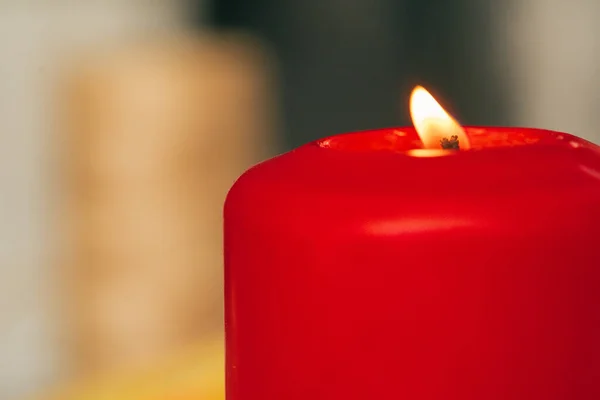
(124, 122)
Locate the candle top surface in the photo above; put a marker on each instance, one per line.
(406, 140)
(398, 153)
(386, 171)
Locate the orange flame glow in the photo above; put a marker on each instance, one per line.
(432, 122)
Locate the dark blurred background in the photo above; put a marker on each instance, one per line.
(349, 64)
(124, 122)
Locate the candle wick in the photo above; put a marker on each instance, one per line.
(450, 144)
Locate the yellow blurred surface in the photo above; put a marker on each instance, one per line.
(198, 374)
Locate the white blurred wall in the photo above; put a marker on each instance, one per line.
(34, 35)
(553, 61)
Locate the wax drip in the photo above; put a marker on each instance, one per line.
(450, 144)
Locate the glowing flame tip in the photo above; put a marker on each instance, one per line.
(432, 122)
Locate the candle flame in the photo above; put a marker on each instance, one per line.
(433, 123)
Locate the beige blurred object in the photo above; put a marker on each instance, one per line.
(154, 135)
(34, 36)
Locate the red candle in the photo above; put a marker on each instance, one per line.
(358, 268)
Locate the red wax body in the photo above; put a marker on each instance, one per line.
(355, 270)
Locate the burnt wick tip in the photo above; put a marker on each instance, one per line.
(450, 144)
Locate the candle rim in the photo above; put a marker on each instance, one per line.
(405, 140)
